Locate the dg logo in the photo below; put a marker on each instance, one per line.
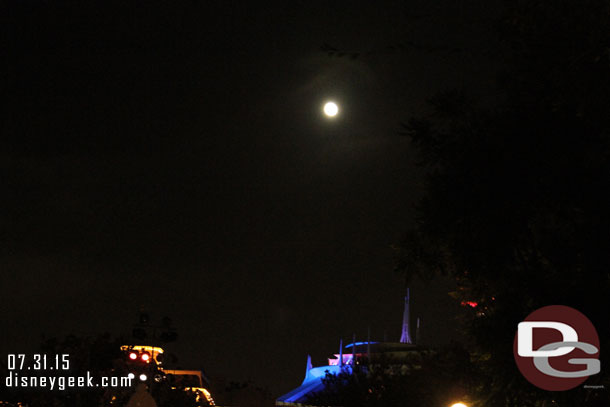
(556, 348)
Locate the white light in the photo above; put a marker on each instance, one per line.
(459, 405)
(131, 376)
(143, 377)
(331, 109)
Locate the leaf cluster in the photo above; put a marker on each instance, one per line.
(516, 202)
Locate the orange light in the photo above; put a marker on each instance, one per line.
(154, 352)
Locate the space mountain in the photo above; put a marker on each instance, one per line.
(349, 355)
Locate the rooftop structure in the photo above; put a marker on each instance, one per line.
(352, 354)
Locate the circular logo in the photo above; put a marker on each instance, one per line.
(556, 348)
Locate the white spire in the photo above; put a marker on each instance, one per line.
(406, 336)
(308, 368)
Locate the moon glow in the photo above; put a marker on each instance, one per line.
(331, 109)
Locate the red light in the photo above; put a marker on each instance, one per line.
(133, 355)
(145, 357)
(472, 304)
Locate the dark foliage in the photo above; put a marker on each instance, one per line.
(431, 379)
(516, 206)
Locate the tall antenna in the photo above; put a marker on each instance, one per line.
(406, 336)
(341, 352)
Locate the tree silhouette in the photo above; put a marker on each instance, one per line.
(515, 207)
(433, 378)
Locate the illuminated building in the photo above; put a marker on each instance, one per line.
(190, 380)
(354, 353)
(144, 359)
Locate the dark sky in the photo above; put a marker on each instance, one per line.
(175, 158)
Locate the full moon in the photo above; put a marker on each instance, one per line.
(331, 109)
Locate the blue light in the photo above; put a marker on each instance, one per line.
(312, 384)
(360, 344)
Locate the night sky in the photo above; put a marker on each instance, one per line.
(176, 159)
